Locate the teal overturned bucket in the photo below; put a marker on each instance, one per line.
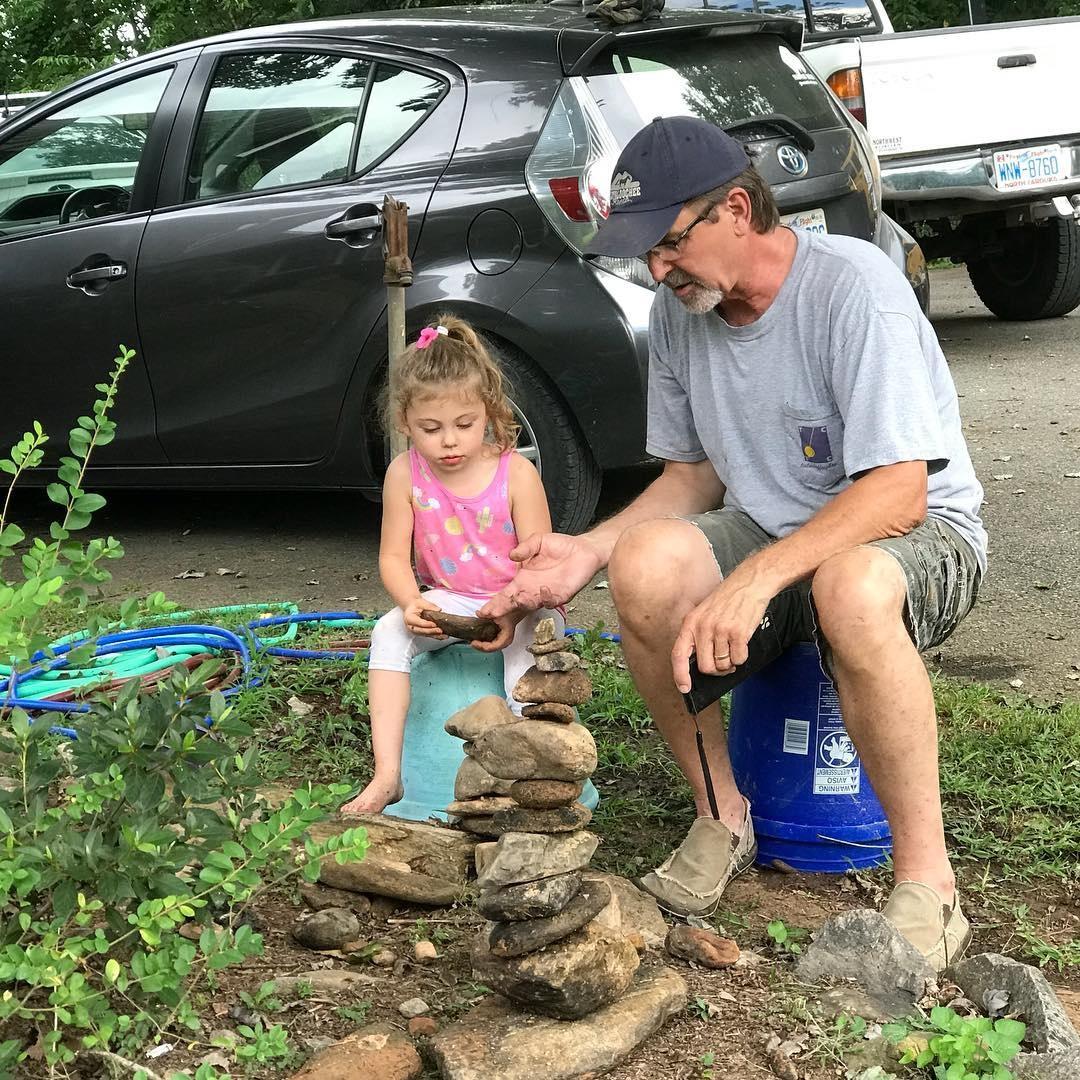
(443, 682)
(810, 799)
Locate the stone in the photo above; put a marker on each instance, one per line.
(701, 947)
(567, 980)
(473, 780)
(854, 1001)
(327, 929)
(550, 710)
(536, 1048)
(384, 958)
(558, 661)
(532, 900)
(475, 719)
(463, 627)
(483, 855)
(559, 820)
(480, 826)
(532, 748)
(520, 857)
(422, 1027)
(637, 941)
(865, 947)
(484, 806)
(545, 794)
(528, 935)
(564, 687)
(632, 910)
(1059, 1065)
(319, 897)
(547, 647)
(413, 1007)
(424, 952)
(1031, 998)
(406, 860)
(325, 982)
(377, 1052)
(544, 633)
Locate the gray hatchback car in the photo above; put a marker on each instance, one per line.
(214, 206)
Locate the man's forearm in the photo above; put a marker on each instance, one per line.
(681, 490)
(889, 501)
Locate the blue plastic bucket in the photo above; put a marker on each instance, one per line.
(811, 803)
(443, 682)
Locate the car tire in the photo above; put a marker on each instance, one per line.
(551, 439)
(1036, 276)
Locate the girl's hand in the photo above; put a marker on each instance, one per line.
(416, 623)
(507, 628)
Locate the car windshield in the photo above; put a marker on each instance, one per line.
(724, 80)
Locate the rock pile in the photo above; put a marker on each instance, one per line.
(544, 947)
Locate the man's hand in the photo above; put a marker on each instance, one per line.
(718, 629)
(554, 568)
(416, 624)
(507, 628)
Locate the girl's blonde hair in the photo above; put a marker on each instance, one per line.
(459, 359)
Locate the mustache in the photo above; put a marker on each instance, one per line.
(677, 278)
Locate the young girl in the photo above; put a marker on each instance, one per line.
(457, 503)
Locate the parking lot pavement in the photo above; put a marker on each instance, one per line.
(1018, 385)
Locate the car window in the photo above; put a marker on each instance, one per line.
(829, 16)
(722, 80)
(400, 99)
(93, 145)
(276, 120)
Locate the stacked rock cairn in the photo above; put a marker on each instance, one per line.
(547, 946)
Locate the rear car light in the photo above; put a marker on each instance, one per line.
(569, 175)
(847, 85)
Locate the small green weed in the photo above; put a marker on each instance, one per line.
(961, 1048)
(356, 1013)
(263, 1000)
(707, 1061)
(262, 1044)
(786, 939)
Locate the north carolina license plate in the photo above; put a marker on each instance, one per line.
(811, 220)
(1034, 167)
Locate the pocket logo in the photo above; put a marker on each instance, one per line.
(816, 449)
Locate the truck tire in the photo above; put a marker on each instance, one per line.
(551, 439)
(1037, 276)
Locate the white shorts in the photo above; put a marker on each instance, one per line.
(394, 646)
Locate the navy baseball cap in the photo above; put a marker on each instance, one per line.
(665, 165)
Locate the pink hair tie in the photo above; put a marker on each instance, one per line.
(429, 334)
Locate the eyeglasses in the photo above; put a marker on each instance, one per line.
(668, 249)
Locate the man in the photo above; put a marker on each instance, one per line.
(816, 485)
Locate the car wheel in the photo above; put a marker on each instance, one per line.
(550, 439)
(1036, 276)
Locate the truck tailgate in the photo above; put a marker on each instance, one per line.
(971, 86)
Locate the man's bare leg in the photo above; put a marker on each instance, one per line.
(887, 705)
(659, 571)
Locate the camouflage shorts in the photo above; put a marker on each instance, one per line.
(939, 567)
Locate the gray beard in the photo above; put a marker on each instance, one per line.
(701, 300)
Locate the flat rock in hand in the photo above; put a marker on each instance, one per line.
(527, 936)
(463, 627)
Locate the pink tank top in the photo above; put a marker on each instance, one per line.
(462, 544)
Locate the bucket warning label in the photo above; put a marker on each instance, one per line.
(836, 767)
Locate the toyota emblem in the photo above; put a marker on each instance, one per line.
(792, 159)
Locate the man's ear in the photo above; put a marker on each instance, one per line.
(738, 205)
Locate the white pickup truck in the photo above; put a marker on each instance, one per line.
(978, 136)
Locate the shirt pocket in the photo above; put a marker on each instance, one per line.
(814, 438)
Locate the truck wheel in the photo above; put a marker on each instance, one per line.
(1037, 276)
(551, 440)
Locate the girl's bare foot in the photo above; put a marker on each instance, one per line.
(376, 797)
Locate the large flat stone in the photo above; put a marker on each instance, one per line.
(545, 794)
(485, 713)
(484, 806)
(561, 819)
(1059, 1065)
(567, 980)
(497, 1042)
(535, 748)
(520, 857)
(406, 860)
(529, 935)
(532, 900)
(377, 1052)
(564, 687)
(1031, 998)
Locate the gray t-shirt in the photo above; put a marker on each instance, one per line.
(841, 374)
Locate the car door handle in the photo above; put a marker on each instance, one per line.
(1017, 60)
(348, 226)
(96, 275)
